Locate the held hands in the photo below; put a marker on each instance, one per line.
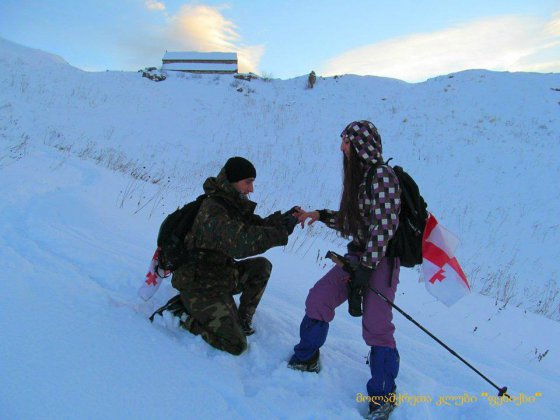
(290, 220)
(297, 215)
(292, 212)
(303, 215)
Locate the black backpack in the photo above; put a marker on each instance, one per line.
(172, 234)
(407, 241)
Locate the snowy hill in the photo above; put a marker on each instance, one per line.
(90, 163)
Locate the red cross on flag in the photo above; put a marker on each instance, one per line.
(153, 279)
(443, 276)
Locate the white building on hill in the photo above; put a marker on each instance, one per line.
(200, 62)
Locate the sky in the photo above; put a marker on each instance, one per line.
(407, 40)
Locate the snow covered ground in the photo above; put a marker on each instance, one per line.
(90, 163)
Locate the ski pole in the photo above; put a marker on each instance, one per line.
(343, 263)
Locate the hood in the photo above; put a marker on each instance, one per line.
(219, 185)
(366, 140)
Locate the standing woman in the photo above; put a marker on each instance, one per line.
(371, 219)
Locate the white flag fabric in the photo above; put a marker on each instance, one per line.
(443, 276)
(153, 279)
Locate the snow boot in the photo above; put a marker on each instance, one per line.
(311, 365)
(247, 324)
(380, 412)
(173, 305)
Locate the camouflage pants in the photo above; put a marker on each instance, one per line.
(217, 318)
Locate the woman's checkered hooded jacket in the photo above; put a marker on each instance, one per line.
(380, 214)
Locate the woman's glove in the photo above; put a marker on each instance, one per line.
(360, 276)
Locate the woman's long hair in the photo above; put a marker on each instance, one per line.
(348, 221)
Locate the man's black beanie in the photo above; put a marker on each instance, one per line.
(238, 168)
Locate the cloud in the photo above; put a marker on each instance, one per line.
(510, 43)
(154, 5)
(204, 28)
(553, 27)
(193, 28)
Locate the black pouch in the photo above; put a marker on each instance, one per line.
(355, 295)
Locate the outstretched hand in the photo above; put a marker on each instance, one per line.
(290, 220)
(293, 211)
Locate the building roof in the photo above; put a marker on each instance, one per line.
(200, 66)
(193, 55)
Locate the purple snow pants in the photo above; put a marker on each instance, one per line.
(331, 291)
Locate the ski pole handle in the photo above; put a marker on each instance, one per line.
(339, 260)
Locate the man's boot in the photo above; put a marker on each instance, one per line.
(246, 322)
(173, 305)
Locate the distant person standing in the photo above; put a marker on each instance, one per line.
(371, 218)
(226, 229)
(311, 80)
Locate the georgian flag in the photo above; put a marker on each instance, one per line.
(153, 278)
(443, 276)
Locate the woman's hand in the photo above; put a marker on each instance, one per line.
(303, 215)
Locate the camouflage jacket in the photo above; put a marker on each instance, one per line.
(225, 228)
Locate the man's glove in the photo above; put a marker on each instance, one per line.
(360, 276)
(291, 211)
(289, 222)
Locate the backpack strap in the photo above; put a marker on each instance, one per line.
(183, 222)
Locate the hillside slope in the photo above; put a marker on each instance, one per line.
(90, 163)
(484, 147)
